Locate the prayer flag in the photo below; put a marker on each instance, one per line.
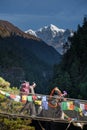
(17, 98)
(44, 98)
(64, 106)
(70, 105)
(7, 95)
(24, 98)
(86, 107)
(82, 106)
(45, 105)
(34, 97)
(12, 96)
(67, 105)
(76, 108)
(29, 98)
(38, 102)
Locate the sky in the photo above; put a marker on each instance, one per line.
(35, 14)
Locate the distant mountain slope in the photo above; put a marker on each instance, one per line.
(7, 29)
(25, 57)
(53, 36)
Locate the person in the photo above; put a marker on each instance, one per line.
(32, 88)
(27, 89)
(56, 91)
(55, 99)
(59, 97)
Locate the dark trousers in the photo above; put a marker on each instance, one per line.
(30, 107)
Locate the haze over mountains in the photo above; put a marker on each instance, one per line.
(53, 36)
(25, 57)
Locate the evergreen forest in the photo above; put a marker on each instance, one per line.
(71, 73)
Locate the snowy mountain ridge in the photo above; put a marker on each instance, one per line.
(53, 36)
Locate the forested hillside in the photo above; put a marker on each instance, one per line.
(71, 74)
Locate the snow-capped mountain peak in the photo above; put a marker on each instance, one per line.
(51, 28)
(32, 32)
(55, 28)
(53, 36)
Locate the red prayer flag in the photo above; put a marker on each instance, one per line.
(85, 106)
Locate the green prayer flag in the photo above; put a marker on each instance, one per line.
(76, 108)
(64, 106)
(7, 95)
(29, 98)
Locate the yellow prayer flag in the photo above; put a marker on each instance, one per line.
(38, 102)
(70, 105)
(24, 98)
